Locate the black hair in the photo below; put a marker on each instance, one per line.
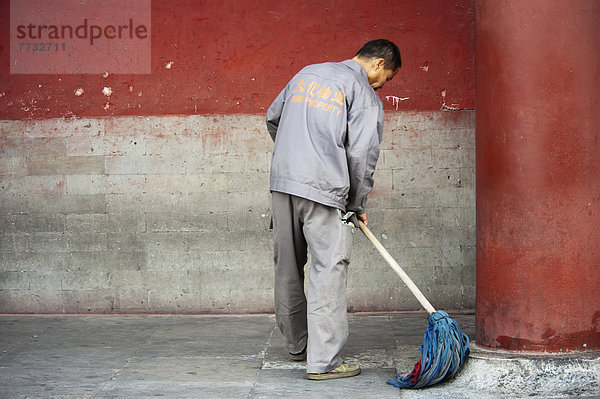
(382, 48)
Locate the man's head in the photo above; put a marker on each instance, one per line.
(381, 60)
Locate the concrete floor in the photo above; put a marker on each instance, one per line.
(201, 357)
(194, 357)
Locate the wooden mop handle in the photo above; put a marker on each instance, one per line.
(386, 255)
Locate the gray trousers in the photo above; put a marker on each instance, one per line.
(319, 322)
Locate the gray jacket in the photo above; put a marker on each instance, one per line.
(327, 124)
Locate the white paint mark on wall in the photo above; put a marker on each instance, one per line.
(453, 107)
(107, 91)
(106, 106)
(396, 100)
(445, 107)
(79, 92)
(105, 75)
(169, 65)
(425, 68)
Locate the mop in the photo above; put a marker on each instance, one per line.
(445, 347)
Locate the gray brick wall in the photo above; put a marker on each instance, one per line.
(171, 214)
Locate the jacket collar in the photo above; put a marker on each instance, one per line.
(357, 67)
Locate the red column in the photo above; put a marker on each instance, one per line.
(538, 174)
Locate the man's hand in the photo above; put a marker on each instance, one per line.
(363, 218)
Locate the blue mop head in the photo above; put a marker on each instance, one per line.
(444, 351)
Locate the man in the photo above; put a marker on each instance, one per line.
(326, 124)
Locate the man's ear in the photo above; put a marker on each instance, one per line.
(375, 64)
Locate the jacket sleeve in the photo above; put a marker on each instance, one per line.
(274, 113)
(365, 131)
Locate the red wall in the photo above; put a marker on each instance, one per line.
(233, 56)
